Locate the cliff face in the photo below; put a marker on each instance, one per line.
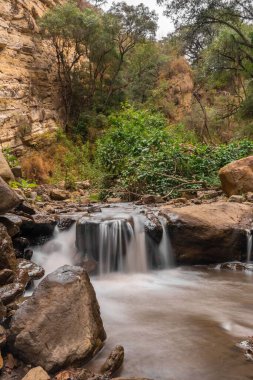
(29, 92)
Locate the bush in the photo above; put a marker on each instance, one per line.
(139, 155)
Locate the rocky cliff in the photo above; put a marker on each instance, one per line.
(29, 93)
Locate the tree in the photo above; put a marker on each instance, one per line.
(91, 48)
(199, 19)
(135, 24)
(69, 29)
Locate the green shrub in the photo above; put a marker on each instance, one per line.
(139, 155)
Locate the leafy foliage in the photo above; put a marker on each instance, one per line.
(140, 155)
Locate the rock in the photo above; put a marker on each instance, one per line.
(26, 208)
(7, 276)
(208, 194)
(17, 172)
(35, 272)
(114, 361)
(3, 311)
(151, 199)
(54, 345)
(5, 170)
(249, 197)
(20, 244)
(7, 255)
(153, 227)
(40, 225)
(37, 373)
(237, 177)
(84, 185)
(12, 223)
(236, 266)
(178, 201)
(209, 233)
(8, 293)
(8, 198)
(80, 374)
(130, 378)
(3, 336)
(94, 209)
(236, 198)
(59, 195)
(11, 362)
(247, 347)
(113, 200)
(65, 223)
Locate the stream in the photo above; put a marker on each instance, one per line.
(175, 323)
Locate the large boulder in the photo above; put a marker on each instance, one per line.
(8, 197)
(5, 170)
(237, 177)
(60, 324)
(209, 233)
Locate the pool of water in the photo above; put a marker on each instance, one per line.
(178, 324)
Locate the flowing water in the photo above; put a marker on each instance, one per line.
(249, 246)
(176, 323)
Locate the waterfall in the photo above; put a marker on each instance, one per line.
(249, 245)
(122, 244)
(165, 245)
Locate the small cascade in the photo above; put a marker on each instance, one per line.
(165, 245)
(249, 245)
(123, 244)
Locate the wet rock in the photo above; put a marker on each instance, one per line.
(8, 198)
(114, 361)
(236, 266)
(7, 276)
(12, 223)
(10, 292)
(247, 347)
(59, 195)
(54, 345)
(28, 254)
(7, 255)
(236, 199)
(41, 225)
(20, 244)
(94, 209)
(65, 223)
(209, 233)
(5, 171)
(153, 227)
(37, 373)
(35, 272)
(237, 177)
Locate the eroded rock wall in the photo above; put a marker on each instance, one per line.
(29, 92)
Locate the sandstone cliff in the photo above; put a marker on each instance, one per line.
(29, 93)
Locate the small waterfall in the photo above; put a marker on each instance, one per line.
(123, 245)
(165, 245)
(249, 245)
